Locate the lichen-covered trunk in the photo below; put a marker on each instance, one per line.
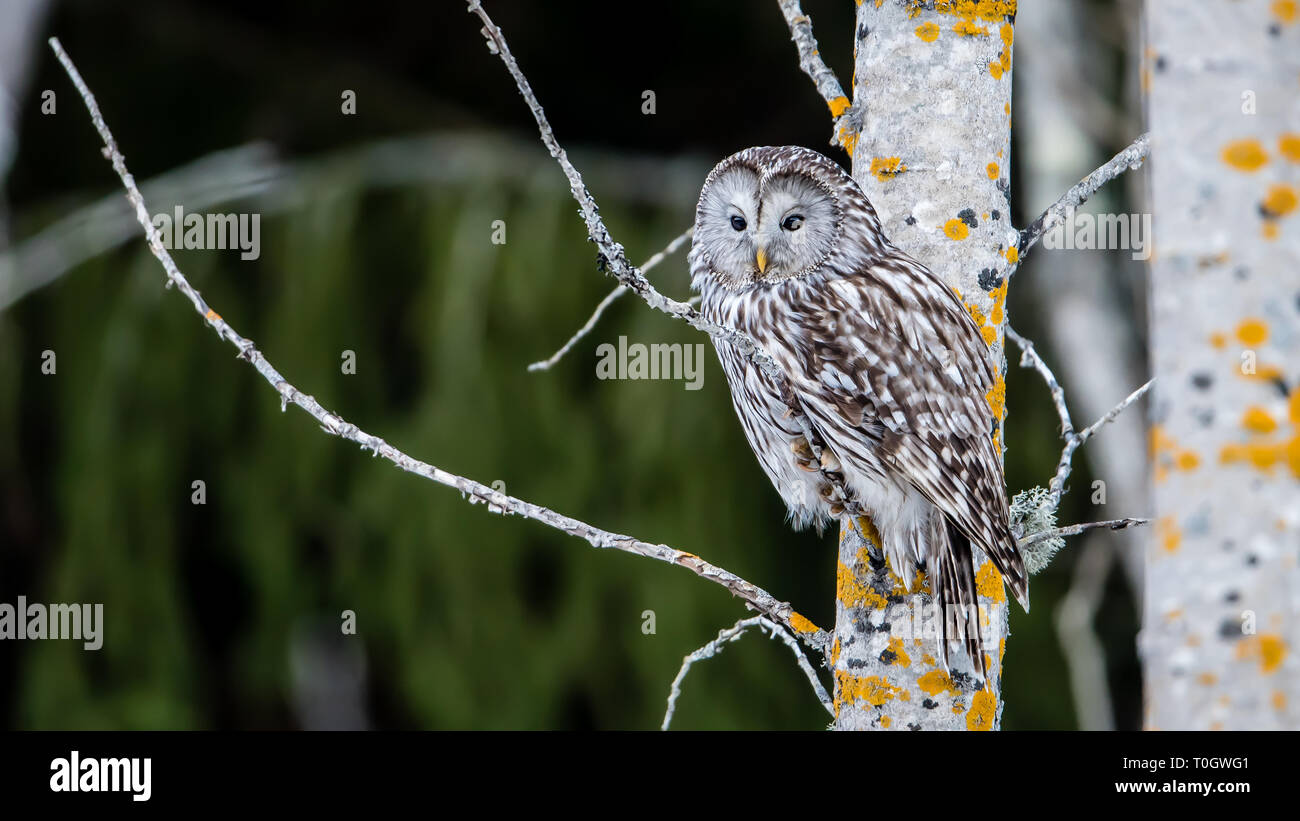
(1222, 619)
(930, 137)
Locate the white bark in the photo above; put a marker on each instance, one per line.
(1225, 299)
(932, 111)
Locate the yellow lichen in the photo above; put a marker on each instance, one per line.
(801, 624)
(997, 397)
(937, 681)
(1245, 155)
(884, 722)
(968, 28)
(999, 295)
(1280, 200)
(873, 690)
(992, 170)
(1188, 460)
(839, 105)
(956, 229)
(1267, 648)
(1284, 10)
(928, 32)
(1258, 420)
(988, 581)
(1169, 534)
(900, 655)
(1252, 332)
(983, 711)
(853, 593)
(1289, 146)
(883, 168)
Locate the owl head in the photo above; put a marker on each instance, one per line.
(770, 213)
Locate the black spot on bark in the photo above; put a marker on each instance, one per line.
(1161, 63)
(929, 704)
(1202, 380)
(964, 681)
(889, 657)
(967, 216)
(1274, 30)
(863, 31)
(989, 279)
(1232, 597)
(997, 215)
(1252, 560)
(914, 727)
(911, 220)
(1229, 629)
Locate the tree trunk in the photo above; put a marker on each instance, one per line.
(930, 137)
(1221, 625)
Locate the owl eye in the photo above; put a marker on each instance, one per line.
(792, 222)
(738, 223)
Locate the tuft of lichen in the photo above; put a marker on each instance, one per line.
(1032, 512)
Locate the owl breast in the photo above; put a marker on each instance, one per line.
(776, 437)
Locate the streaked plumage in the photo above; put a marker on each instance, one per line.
(887, 364)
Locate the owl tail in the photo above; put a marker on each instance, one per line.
(953, 574)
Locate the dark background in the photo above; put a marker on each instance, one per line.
(226, 615)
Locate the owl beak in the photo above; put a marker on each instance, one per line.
(760, 259)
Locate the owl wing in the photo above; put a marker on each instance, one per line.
(892, 359)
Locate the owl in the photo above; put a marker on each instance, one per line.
(884, 361)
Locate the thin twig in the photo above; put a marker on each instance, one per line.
(810, 60)
(669, 249)
(757, 598)
(1074, 440)
(614, 261)
(731, 634)
(1075, 530)
(1029, 358)
(1130, 159)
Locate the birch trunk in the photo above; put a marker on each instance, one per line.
(1221, 627)
(930, 137)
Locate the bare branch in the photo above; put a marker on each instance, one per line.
(731, 634)
(670, 248)
(828, 86)
(1075, 530)
(1074, 440)
(1130, 159)
(757, 598)
(1029, 358)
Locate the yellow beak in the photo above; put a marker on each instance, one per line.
(760, 258)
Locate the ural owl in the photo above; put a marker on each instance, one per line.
(884, 360)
